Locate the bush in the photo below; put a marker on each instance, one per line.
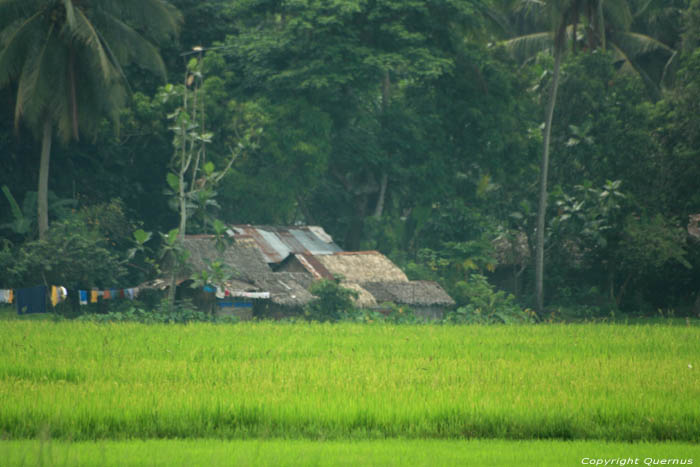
(391, 314)
(484, 305)
(333, 303)
(72, 255)
(183, 312)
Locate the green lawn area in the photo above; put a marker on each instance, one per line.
(392, 452)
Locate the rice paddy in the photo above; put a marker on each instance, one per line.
(72, 381)
(393, 452)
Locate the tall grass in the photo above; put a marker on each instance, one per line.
(84, 381)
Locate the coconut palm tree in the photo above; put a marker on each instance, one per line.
(585, 25)
(592, 24)
(66, 58)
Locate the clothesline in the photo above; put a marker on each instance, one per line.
(33, 299)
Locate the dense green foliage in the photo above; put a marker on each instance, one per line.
(324, 381)
(334, 301)
(403, 126)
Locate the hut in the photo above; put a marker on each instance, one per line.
(251, 287)
(288, 294)
(378, 281)
(426, 298)
(276, 244)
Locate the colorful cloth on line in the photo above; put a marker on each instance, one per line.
(31, 300)
(54, 296)
(108, 294)
(6, 295)
(58, 294)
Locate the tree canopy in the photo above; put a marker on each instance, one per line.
(416, 128)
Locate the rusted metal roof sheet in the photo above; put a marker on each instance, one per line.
(313, 244)
(314, 266)
(289, 239)
(277, 243)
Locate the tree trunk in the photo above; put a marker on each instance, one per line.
(353, 238)
(379, 209)
(181, 231)
(544, 168)
(43, 189)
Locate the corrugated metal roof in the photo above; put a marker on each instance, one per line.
(277, 243)
(313, 244)
(314, 266)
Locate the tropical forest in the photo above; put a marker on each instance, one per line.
(527, 171)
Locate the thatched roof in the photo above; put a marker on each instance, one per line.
(512, 248)
(694, 226)
(364, 299)
(241, 256)
(286, 288)
(362, 266)
(416, 293)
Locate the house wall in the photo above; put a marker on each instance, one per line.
(429, 313)
(243, 314)
(265, 309)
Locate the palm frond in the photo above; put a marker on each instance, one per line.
(525, 47)
(128, 45)
(13, 10)
(641, 9)
(70, 13)
(15, 41)
(157, 20)
(670, 68)
(85, 32)
(635, 44)
(31, 95)
(629, 64)
(618, 15)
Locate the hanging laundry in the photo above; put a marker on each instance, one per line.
(31, 300)
(11, 296)
(62, 294)
(130, 293)
(83, 297)
(5, 295)
(121, 293)
(54, 295)
(114, 293)
(106, 295)
(93, 296)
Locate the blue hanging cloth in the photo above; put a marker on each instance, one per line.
(31, 300)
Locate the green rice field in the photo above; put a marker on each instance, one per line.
(393, 452)
(346, 383)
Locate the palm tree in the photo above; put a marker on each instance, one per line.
(590, 24)
(66, 58)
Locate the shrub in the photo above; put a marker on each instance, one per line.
(484, 305)
(183, 312)
(333, 302)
